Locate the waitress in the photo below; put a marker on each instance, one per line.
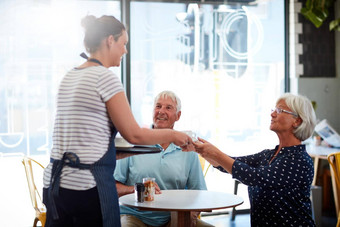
(79, 188)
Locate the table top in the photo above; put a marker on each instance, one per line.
(320, 151)
(185, 200)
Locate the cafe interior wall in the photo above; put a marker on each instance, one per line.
(323, 89)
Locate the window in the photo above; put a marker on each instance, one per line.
(225, 62)
(40, 42)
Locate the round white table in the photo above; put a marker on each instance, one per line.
(181, 202)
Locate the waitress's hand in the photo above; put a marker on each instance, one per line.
(189, 147)
(183, 140)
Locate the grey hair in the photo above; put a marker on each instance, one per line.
(172, 95)
(302, 106)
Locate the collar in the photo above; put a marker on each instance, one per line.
(171, 148)
(291, 149)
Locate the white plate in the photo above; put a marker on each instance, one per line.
(123, 145)
(121, 142)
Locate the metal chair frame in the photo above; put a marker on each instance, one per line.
(39, 207)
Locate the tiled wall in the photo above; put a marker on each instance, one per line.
(314, 47)
(320, 88)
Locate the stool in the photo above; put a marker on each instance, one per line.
(316, 198)
(327, 196)
(234, 211)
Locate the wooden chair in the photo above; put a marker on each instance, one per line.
(334, 161)
(39, 207)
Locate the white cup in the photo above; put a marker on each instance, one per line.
(192, 135)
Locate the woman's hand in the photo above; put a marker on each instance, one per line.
(213, 155)
(207, 151)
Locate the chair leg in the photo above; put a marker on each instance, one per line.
(35, 222)
(233, 212)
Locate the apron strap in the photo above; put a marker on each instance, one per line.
(69, 159)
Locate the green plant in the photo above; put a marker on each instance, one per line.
(317, 12)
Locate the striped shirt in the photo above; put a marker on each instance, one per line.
(82, 124)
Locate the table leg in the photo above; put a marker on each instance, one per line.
(181, 219)
(316, 170)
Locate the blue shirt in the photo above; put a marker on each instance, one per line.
(172, 169)
(279, 192)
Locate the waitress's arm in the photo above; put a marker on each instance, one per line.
(124, 121)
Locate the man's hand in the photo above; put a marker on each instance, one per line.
(123, 189)
(157, 189)
(194, 215)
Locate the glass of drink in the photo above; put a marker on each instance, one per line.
(149, 183)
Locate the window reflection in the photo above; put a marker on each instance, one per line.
(39, 42)
(226, 62)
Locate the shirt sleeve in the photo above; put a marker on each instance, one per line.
(284, 171)
(251, 160)
(108, 85)
(196, 179)
(122, 170)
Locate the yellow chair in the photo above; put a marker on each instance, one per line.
(39, 207)
(202, 161)
(334, 161)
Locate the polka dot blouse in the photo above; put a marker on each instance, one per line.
(279, 192)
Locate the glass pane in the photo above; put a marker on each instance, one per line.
(226, 63)
(39, 42)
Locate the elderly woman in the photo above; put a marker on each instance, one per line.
(278, 179)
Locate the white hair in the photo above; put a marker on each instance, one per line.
(303, 107)
(172, 95)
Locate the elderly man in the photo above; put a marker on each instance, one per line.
(172, 168)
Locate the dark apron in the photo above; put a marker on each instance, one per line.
(102, 171)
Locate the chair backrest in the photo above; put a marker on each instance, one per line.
(334, 161)
(34, 192)
(202, 161)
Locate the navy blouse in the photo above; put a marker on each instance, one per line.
(279, 192)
